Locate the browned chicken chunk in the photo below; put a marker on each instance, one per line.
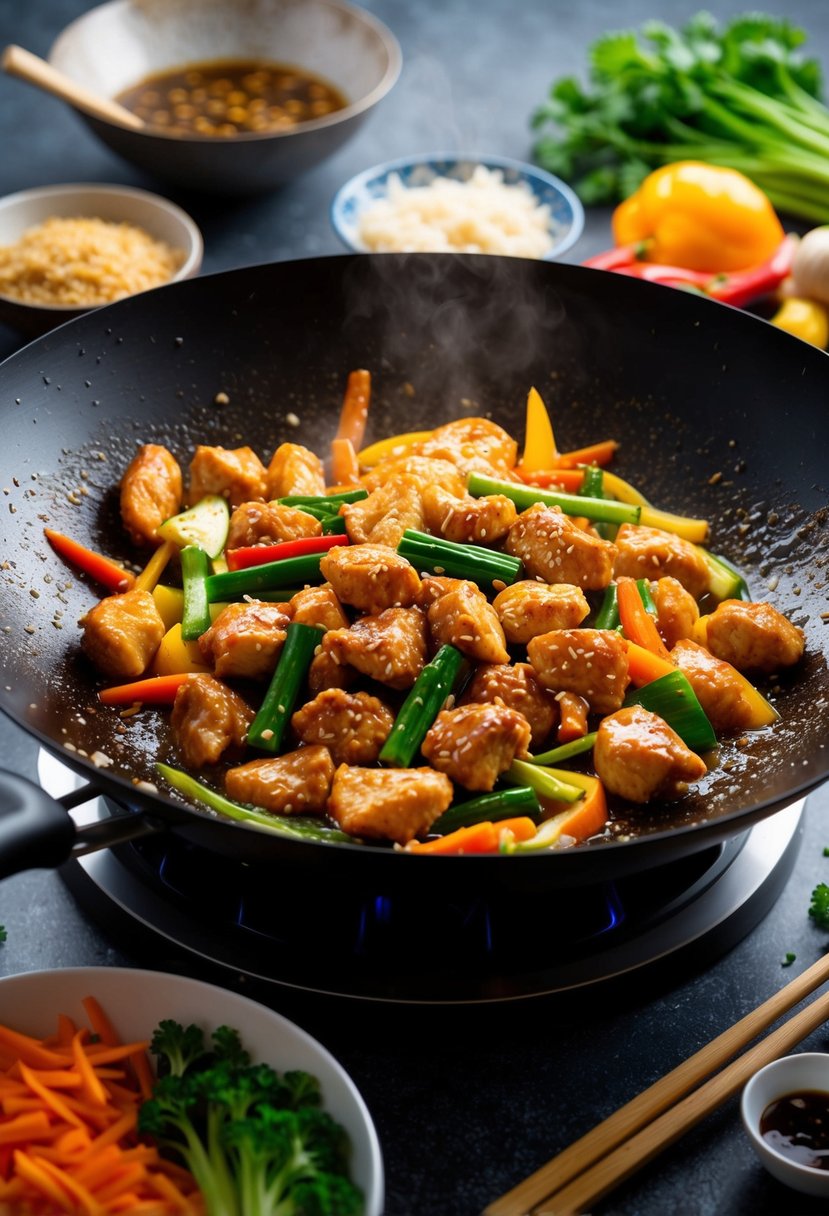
(151, 491)
(516, 686)
(527, 609)
(352, 725)
(423, 470)
(388, 804)
(389, 647)
(122, 633)
(383, 517)
(463, 617)
(552, 548)
(297, 783)
(474, 445)
(370, 577)
(651, 553)
(473, 744)
(246, 639)
(467, 520)
(639, 757)
(676, 610)
(294, 470)
(318, 606)
(433, 586)
(236, 474)
(590, 662)
(719, 687)
(753, 636)
(326, 672)
(267, 523)
(209, 721)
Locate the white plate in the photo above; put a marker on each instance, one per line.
(136, 1001)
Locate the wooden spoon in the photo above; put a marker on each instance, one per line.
(26, 66)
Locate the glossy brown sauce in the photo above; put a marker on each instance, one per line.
(230, 97)
(797, 1125)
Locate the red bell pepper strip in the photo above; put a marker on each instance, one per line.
(102, 569)
(258, 555)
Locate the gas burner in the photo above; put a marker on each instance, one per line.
(173, 898)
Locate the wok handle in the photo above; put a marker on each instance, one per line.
(37, 831)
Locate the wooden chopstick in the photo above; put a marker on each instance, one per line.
(547, 1190)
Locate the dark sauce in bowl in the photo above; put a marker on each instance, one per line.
(797, 1126)
(229, 97)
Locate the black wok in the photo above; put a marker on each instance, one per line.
(720, 415)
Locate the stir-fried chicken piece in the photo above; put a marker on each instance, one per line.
(527, 609)
(318, 606)
(294, 470)
(474, 445)
(463, 617)
(433, 586)
(353, 726)
(209, 721)
(383, 517)
(639, 757)
(267, 523)
(644, 552)
(676, 610)
(590, 662)
(122, 633)
(326, 672)
(552, 548)
(423, 470)
(573, 716)
(246, 639)
(370, 577)
(236, 474)
(151, 491)
(753, 636)
(473, 744)
(467, 520)
(388, 804)
(297, 783)
(719, 687)
(516, 686)
(389, 647)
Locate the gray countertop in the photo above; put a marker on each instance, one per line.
(466, 1102)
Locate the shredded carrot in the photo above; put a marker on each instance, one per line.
(68, 1126)
(354, 412)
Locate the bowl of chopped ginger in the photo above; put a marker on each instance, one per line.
(135, 1090)
(67, 249)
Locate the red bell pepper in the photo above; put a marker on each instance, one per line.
(257, 555)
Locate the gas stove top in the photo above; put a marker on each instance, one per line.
(246, 924)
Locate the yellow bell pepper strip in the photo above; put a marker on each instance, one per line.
(540, 451)
(806, 319)
(99, 568)
(699, 216)
(389, 448)
(170, 604)
(484, 837)
(175, 655)
(147, 580)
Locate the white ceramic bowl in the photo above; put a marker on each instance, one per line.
(803, 1071)
(137, 1001)
(156, 215)
(566, 211)
(120, 43)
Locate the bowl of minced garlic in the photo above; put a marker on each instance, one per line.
(67, 249)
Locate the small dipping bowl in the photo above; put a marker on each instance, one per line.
(803, 1072)
(157, 216)
(566, 211)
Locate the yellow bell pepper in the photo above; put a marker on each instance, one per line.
(540, 450)
(175, 655)
(700, 217)
(806, 319)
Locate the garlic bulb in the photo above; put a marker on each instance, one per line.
(810, 267)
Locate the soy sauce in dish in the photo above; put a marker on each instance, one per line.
(228, 97)
(797, 1125)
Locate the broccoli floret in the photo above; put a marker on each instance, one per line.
(819, 907)
(256, 1141)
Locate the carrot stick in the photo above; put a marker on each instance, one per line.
(92, 1088)
(578, 820)
(637, 622)
(600, 453)
(478, 838)
(568, 479)
(40, 1179)
(354, 412)
(29, 1050)
(84, 1202)
(108, 1034)
(32, 1126)
(157, 690)
(345, 470)
(102, 569)
(644, 665)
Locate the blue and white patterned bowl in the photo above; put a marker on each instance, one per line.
(566, 211)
